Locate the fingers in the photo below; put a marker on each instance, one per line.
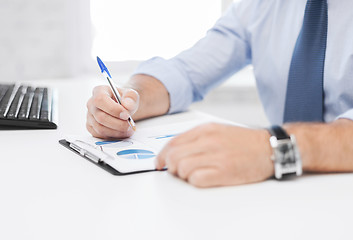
(103, 99)
(187, 140)
(205, 177)
(106, 118)
(101, 131)
(182, 161)
(185, 161)
(93, 132)
(185, 157)
(193, 166)
(198, 172)
(186, 166)
(199, 156)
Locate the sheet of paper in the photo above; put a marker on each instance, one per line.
(138, 152)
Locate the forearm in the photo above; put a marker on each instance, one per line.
(154, 97)
(325, 147)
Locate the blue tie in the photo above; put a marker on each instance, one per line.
(305, 97)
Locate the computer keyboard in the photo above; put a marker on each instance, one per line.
(23, 106)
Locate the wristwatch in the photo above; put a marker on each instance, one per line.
(285, 155)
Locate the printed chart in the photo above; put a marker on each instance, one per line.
(136, 154)
(114, 144)
(164, 136)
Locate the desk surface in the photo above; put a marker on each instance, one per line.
(47, 192)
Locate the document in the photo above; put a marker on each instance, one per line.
(138, 153)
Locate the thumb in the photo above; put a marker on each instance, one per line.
(130, 100)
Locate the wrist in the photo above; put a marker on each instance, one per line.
(154, 97)
(304, 143)
(325, 147)
(266, 153)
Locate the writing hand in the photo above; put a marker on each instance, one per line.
(108, 119)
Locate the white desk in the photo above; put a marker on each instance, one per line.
(47, 192)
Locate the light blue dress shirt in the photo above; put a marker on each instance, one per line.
(262, 33)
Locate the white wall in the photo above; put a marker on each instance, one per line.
(47, 39)
(43, 38)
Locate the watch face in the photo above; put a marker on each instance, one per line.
(286, 157)
(285, 152)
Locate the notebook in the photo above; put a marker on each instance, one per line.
(27, 107)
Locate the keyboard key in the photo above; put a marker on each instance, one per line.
(36, 104)
(6, 101)
(44, 112)
(3, 90)
(16, 103)
(26, 104)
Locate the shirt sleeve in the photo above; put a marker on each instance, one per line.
(348, 114)
(191, 74)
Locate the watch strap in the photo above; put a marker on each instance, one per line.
(278, 132)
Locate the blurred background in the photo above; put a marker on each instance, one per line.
(59, 39)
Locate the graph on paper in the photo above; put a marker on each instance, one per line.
(136, 154)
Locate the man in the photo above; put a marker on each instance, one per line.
(301, 51)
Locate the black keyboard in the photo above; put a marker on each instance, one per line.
(23, 106)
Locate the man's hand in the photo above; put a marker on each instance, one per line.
(108, 119)
(144, 97)
(219, 155)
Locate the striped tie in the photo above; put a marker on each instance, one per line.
(305, 97)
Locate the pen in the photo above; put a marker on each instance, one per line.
(116, 94)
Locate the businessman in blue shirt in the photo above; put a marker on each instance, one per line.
(301, 51)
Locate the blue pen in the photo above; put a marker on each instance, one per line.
(116, 94)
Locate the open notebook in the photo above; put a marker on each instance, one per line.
(136, 154)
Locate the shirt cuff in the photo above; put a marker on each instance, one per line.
(174, 80)
(348, 114)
